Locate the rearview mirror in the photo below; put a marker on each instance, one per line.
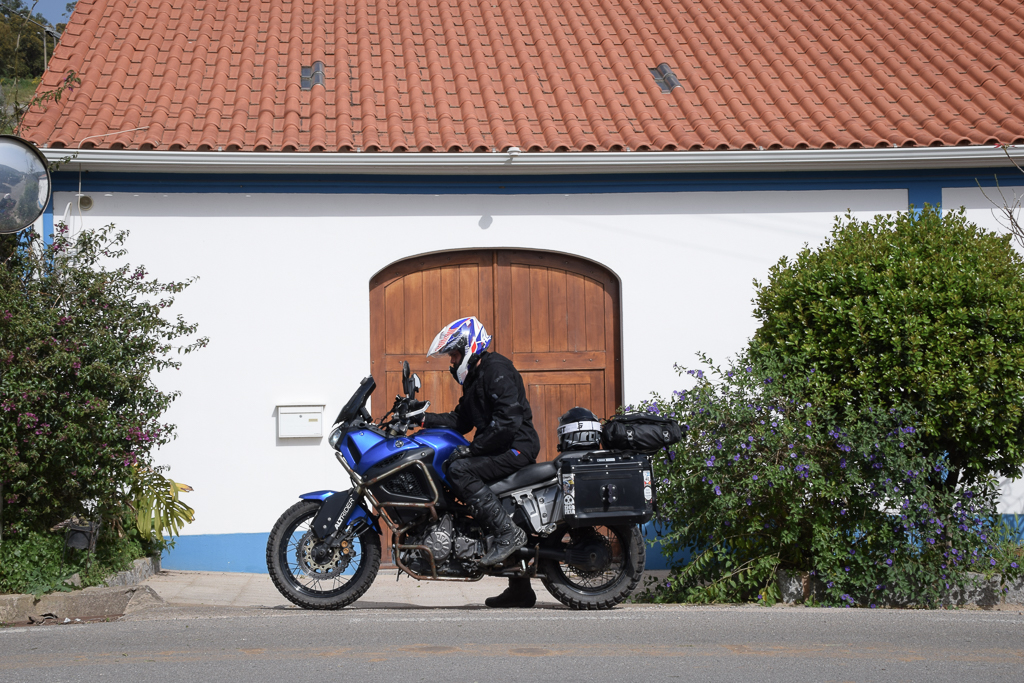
(24, 184)
(410, 383)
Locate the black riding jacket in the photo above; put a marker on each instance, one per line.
(494, 402)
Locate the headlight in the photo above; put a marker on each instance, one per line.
(334, 438)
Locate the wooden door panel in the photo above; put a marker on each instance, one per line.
(551, 394)
(554, 315)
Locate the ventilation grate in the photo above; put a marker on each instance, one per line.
(404, 484)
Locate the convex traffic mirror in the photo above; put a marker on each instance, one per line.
(24, 184)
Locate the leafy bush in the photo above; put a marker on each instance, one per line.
(920, 308)
(81, 335)
(36, 562)
(767, 478)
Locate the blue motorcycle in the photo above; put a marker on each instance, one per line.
(582, 514)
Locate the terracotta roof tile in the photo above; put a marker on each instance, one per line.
(542, 75)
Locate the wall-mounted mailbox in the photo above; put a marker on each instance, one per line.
(300, 422)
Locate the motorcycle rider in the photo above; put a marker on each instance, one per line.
(494, 402)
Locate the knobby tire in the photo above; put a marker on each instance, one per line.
(368, 563)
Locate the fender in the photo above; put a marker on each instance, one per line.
(337, 510)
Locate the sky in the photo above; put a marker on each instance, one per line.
(53, 10)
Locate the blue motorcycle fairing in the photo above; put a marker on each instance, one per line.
(358, 511)
(365, 448)
(355, 444)
(443, 441)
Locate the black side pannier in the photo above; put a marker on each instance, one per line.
(640, 432)
(606, 487)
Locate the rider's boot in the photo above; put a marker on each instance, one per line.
(518, 594)
(507, 537)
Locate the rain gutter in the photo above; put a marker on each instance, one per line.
(535, 163)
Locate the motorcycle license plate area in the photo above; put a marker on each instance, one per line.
(607, 488)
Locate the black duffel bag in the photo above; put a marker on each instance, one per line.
(640, 432)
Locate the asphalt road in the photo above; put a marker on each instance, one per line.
(631, 643)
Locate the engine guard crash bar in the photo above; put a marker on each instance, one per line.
(363, 488)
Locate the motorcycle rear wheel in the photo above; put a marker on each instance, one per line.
(327, 584)
(622, 556)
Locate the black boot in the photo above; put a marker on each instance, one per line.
(518, 594)
(507, 537)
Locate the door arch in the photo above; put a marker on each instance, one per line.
(556, 316)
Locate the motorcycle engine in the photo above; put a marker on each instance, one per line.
(439, 539)
(456, 546)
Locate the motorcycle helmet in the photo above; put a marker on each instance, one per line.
(465, 334)
(578, 430)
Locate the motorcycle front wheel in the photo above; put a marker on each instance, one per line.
(315, 577)
(602, 568)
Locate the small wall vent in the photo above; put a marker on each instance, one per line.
(665, 79)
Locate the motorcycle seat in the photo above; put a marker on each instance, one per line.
(527, 476)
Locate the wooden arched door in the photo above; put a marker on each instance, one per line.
(554, 315)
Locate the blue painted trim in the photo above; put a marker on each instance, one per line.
(922, 185)
(925, 192)
(218, 553)
(48, 222)
(656, 553)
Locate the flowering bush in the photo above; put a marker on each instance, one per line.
(921, 307)
(766, 478)
(81, 335)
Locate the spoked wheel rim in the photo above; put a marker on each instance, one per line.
(606, 550)
(315, 571)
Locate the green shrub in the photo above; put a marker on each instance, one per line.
(918, 308)
(768, 478)
(81, 336)
(36, 562)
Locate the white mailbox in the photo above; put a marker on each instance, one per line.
(300, 422)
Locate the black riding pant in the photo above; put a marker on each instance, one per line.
(470, 476)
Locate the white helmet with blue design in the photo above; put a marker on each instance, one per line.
(466, 335)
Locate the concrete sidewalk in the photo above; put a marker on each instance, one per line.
(235, 589)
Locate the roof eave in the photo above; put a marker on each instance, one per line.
(538, 163)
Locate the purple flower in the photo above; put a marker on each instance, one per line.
(718, 491)
(1013, 564)
(842, 463)
(932, 541)
(992, 562)
(889, 561)
(808, 423)
(755, 477)
(711, 462)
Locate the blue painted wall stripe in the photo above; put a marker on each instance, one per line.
(218, 553)
(248, 552)
(923, 184)
(48, 222)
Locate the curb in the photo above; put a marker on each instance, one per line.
(86, 605)
(797, 587)
(121, 594)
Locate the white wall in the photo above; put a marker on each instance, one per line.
(284, 298)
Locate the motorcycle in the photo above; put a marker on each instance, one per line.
(582, 513)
